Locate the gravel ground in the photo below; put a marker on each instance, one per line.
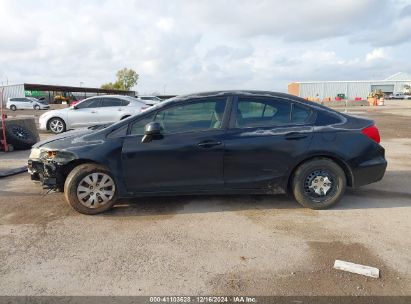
(220, 245)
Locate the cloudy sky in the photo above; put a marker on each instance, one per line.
(188, 46)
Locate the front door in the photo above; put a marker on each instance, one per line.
(186, 158)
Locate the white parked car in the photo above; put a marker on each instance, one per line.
(399, 95)
(97, 110)
(20, 103)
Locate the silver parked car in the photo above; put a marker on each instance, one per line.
(97, 110)
(21, 103)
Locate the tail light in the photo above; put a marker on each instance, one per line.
(372, 132)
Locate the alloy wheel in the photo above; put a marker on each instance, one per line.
(56, 126)
(20, 133)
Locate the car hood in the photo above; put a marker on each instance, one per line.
(66, 139)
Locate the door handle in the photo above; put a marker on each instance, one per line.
(295, 135)
(209, 144)
(94, 112)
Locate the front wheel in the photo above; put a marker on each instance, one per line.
(37, 107)
(90, 189)
(13, 108)
(56, 125)
(319, 183)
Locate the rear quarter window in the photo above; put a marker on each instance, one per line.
(300, 114)
(324, 119)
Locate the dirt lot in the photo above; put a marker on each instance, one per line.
(252, 245)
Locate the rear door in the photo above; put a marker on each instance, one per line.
(16, 102)
(111, 109)
(267, 137)
(23, 103)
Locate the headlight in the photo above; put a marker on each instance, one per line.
(57, 156)
(34, 153)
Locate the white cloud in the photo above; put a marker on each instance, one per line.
(376, 54)
(200, 45)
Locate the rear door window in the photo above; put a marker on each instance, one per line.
(16, 99)
(262, 112)
(111, 102)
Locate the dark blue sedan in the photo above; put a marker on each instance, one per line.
(226, 142)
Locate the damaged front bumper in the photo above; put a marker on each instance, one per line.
(46, 173)
(48, 167)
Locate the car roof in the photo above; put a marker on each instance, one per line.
(236, 92)
(255, 93)
(111, 95)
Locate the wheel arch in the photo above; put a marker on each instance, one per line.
(67, 168)
(346, 168)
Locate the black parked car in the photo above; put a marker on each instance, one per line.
(228, 142)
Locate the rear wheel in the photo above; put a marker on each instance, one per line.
(13, 108)
(56, 125)
(90, 189)
(319, 183)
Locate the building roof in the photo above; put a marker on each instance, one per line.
(46, 87)
(400, 76)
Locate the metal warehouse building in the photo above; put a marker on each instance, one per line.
(399, 82)
(49, 92)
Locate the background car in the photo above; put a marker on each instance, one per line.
(97, 110)
(242, 142)
(21, 103)
(74, 102)
(150, 100)
(399, 95)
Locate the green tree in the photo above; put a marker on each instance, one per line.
(126, 79)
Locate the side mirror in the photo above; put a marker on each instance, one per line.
(150, 130)
(75, 107)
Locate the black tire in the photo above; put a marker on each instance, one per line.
(13, 108)
(73, 182)
(318, 170)
(54, 130)
(37, 107)
(20, 137)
